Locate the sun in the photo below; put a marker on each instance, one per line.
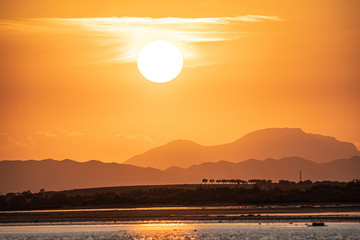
(160, 61)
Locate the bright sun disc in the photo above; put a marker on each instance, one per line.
(160, 61)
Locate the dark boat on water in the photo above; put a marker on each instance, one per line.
(318, 224)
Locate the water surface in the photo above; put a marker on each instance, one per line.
(181, 230)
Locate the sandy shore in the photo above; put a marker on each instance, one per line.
(304, 214)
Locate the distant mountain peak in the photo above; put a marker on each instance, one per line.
(93, 161)
(274, 133)
(182, 142)
(285, 133)
(67, 160)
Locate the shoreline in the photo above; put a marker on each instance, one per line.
(201, 213)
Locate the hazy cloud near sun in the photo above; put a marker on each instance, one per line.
(124, 37)
(96, 147)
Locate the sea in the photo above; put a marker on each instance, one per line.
(179, 230)
(337, 225)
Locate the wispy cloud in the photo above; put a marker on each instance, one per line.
(127, 35)
(169, 20)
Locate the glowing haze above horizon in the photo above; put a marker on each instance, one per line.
(70, 86)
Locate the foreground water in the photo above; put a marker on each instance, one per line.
(180, 230)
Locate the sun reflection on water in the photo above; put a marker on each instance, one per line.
(163, 230)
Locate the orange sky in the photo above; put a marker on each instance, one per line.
(70, 86)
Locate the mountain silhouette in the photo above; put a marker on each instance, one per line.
(17, 176)
(68, 174)
(285, 168)
(267, 143)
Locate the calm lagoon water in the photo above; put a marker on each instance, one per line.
(181, 230)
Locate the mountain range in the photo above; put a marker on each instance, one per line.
(286, 151)
(17, 176)
(267, 143)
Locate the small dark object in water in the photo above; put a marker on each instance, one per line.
(318, 224)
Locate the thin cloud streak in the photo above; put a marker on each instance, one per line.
(118, 59)
(170, 20)
(126, 24)
(123, 38)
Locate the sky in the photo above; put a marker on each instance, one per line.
(70, 86)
